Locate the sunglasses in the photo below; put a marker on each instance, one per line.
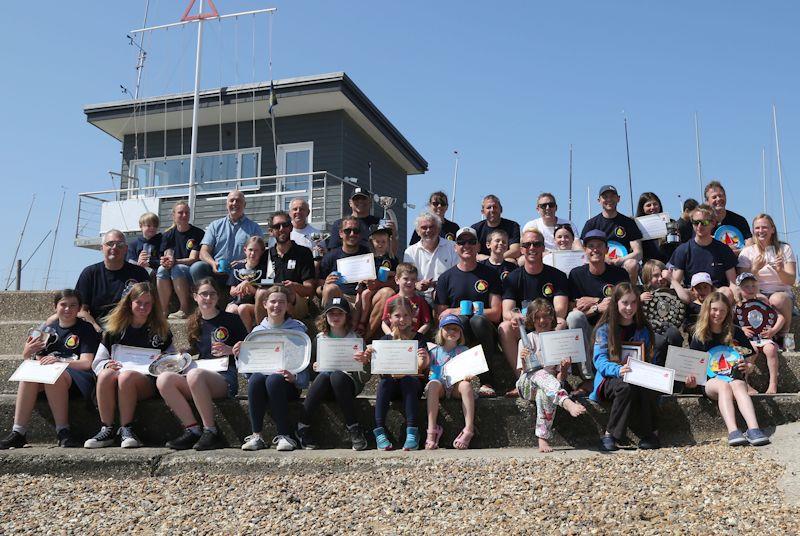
(704, 223)
(547, 205)
(528, 245)
(281, 225)
(351, 230)
(438, 204)
(115, 244)
(467, 242)
(207, 295)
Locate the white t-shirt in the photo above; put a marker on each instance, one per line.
(432, 264)
(548, 231)
(768, 279)
(300, 236)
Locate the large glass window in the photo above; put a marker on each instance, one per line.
(296, 158)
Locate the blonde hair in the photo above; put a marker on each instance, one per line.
(774, 242)
(649, 269)
(702, 329)
(439, 338)
(121, 316)
(148, 218)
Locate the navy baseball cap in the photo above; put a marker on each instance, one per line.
(450, 320)
(337, 303)
(595, 234)
(359, 192)
(607, 188)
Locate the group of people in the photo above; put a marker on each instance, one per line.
(231, 280)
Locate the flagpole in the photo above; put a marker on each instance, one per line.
(570, 182)
(455, 184)
(697, 149)
(630, 176)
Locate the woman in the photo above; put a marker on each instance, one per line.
(212, 334)
(180, 248)
(725, 382)
(773, 263)
(276, 389)
(623, 321)
(564, 237)
(76, 340)
(657, 248)
(437, 203)
(137, 320)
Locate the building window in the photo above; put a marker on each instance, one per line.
(173, 172)
(294, 158)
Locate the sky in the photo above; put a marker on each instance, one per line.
(508, 85)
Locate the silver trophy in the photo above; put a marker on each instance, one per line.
(248, 275)
(318, 243)
(386, 203)
(45, 333)
(529, 364)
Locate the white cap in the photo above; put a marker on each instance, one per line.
(701, 277)
(466, 230)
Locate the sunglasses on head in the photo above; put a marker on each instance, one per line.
(281, 225)
(535, 244)
(704, 223)
(547, 205)
(351, 230)
(467, 242)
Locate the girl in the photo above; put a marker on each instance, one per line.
(407, 387)
(725, 382)
(137, 320)
(276, 389)
(655, 277)
(212, 334)
(564, 236)
(335, 322)
(544, 384)
(450, 341)
(763, 342)
(243, 292)
(76, 341)
(657, 248)
(621, 322)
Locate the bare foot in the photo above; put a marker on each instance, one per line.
(573, 407)
(544, 446)
(771, 390)
(750, 390)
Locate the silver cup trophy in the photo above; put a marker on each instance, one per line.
(318, 243)
(45, 333)
(386, 203)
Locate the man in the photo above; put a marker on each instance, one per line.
(618, 228)
(716, 198)
(437, 204)
(432, 255)
(102, 285)
(703, 253)
(225, 239)
(591, 287)
(180, 248)
(532, 280)
(473, 282)
(360, 204)
(546, 223)
(289, 264)
(492, 211)
(301, 229)
(330, 286)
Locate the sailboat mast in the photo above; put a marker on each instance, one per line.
(764, 176)
(570, 182)
(697, 149)
(780, 172)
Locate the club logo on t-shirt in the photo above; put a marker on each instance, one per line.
(620, 232)
(156, 341)
(220, 334)
(190, 244)
(548, 290)
(72, 342)
(608, 290)
(450, 236)
(481, 286)
(504, 274)
(386, 264)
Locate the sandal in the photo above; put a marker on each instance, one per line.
(486, 391)
(432, 441)
(463, 439)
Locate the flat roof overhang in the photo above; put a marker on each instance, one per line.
(296, 96)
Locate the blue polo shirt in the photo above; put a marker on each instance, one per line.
(227, 239)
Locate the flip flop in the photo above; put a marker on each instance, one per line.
(463, 439)
(432, 441)
(486, 392)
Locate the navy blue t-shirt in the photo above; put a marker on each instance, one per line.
(328, 265)
(182, 243)
(522, 286)
(482, 228)
(386, 261)
(620, 228)
(138, 337)
(503, 269)
(80, 338)
(583, 283)
(101, 288)
(478, 285)
(448, 231)
(226, 328)
(365, 223)
(714, 259)
(137, 245)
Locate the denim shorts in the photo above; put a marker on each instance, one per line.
(178, 271)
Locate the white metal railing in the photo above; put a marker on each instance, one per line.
(88, 226)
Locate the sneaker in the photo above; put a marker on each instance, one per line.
(178, 315)
(305, 438)
(128, 439)
(357, 437)
(608, 443)
(736, 439)
(254, 442)
(650, 442)
(65, 439)
(104, 438)
(14, 440)
(756, 437)
(382, 442)
(284, 443)
(210, 441)
(412, 438)
(184, 442)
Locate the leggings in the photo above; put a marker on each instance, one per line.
(276, 391)
(407, 387)
(546, 390)
(479, 330)
(630, 404)
(328, 385)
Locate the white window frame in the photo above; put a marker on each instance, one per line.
(150, 162)
(281, 168)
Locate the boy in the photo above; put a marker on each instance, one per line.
(497, 243)
(380, 242)
(145, 250)
(762, 342)
(406, 279)
(701, 286)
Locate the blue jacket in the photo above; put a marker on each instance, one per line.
(604, 367)
(303, 378)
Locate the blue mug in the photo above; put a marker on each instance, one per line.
(383, 274)
(223, 266)
(340, 278)
(477, 308)
(466, 307)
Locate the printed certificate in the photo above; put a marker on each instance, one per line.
(394, 357)
(565, 260)
(466, 364)
(653, 226)
(32, 371)
(337, 354)
(214, 364)
(650, 376)
(357, 268)
(264, 357)
(134, 358)
(556, 346)
(687, 362)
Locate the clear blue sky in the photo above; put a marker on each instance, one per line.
(510, 87)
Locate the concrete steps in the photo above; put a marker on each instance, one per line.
(500, 422)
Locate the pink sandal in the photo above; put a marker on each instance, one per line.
(463, 439)
(432, 441)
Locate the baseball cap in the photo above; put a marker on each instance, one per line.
(596, 234)
(607, 188)
(359, 192)
(744, 276)
(381, 228)
(337, 303)
(701, 277)
(450, 320)
(466, 230)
